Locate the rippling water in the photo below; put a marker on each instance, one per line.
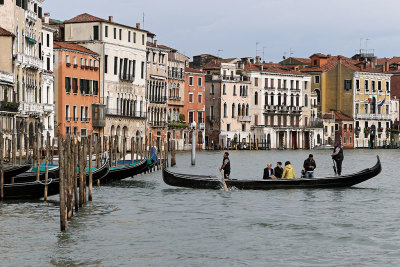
(143, 222)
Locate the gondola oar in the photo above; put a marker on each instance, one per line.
(223, 182)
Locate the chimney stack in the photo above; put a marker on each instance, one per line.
(46, 17)
(155, 43)
(137, 25)
(386, 66)
(110, 18)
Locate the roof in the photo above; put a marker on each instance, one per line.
(74, 47)
(55, 21)
(150, 44)
(347, 62)
(381, 61)
(216, 63)
(273, 68)
(342, 117)
(85, 17)
(319, 55)
(49, 26)
(194, 70)
(4, 32)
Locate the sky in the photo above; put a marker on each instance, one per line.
(267, 28)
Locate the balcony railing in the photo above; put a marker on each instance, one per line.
(120, 113)
(126, 77)
(161, 99)
(374, 116)
(29, 61)
(48, 108)
(244, 118)
(175, 98)
(85, 120)
(202, 126)
(159, 124)
(9, 106)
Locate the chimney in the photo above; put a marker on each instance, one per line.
(110, 18)
(137, 25)
(46, 17)
(155, 43)
(386, 68)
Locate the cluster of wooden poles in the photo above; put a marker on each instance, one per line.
(75, 155)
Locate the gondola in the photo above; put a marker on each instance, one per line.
(35, 189)
(209, 182)
(121, 172)
(12, 171)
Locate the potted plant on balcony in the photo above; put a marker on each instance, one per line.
(367, 130)
(380, 129)
(357, 131)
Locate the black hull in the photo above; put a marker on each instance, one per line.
(35, 190)
(12, 171)
(27, 177)
(125, 172)
(209, 182)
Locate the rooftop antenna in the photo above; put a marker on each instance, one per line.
(366, 44)
(257, 48)
(291, 52)
(263, 53)
(361, 44)
(219, 50)
(143, 19)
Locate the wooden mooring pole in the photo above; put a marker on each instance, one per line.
(90, 169)
(1, 166)
(63, 210)
(46, 175)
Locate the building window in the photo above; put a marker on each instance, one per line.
(48, 40)
(225, 111)
(224, 89)
(67, 113)
(115, 33)
(212, 89)
(366, 85)
(115, 65)
(134, 37)
(347, 84)
(234, 90)
(142, 70)
(106, 31)
(95, 32)
(373, 86)
(120, 34)
(190, 97)
(358, 84)
(74, 113)
(67, 60)
(344, 140)
(129, 36)
(256, 82)
(105, 63)
(316, 79)
(191, 116)
(67, 85)
(380, 85)
(350, 140)
(200, 98)
(142, 39)
(256, 98)
(345, 127)
(75, 85)
(200, 81)
(387, 87)
(336, 127)
(83, 132)
(233, 110)
(228, 127)
(243, 127)
(190, 81)
(67, 130)
(75, 131)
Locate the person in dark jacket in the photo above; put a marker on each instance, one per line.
(338, 157)
(309, 166)
(269, 172)
(278, 171)
(226, 166)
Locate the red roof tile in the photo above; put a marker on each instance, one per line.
(273, 68)
(4, 32)
(381, 61)
(85, 17)
(347, 62)
(342, 117)
(194, 70)
(72, 46)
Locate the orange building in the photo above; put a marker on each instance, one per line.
(79, 111)
(194, 108)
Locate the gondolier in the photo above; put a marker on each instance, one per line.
(338, 157)
(226, 166)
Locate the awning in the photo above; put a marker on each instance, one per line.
(31, 40)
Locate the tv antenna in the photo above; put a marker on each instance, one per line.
(219, 50)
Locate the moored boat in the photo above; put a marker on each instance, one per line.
(129, 170)
(210, 182)
(12, 171)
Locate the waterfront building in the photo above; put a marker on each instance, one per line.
(177, 63)
(8, 98)
(122, 50)
(227, 99)
(355, 89)
(195, 104)
(281, 107)
(78, 105)
(156, 92)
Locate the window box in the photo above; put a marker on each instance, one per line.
(68, 64)
(75, 66)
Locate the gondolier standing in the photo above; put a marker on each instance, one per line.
(226, 166)
(338, 156)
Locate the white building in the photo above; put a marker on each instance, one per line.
(122, 50)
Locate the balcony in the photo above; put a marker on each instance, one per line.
(85, 120)
(126, 77)
(282, 88)
(236, 78)
(161, 99)
(9, 106)
(7, 77)
(158, 124)
(374, 116)
(120, 113)
(30, 16)
(269, 87)
(244, 118)
(31, 108)
(202, 126)
(48, 108)
(29, 61)
(178, 98)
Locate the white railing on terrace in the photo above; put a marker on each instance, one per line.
(374, 116)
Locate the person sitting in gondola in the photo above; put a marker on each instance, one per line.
(309, 167)
(226, 166)
(269, 172)
(278, 171)
(288, 172)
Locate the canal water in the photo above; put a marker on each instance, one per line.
(143, 222)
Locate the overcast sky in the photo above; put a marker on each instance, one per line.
(279, 26)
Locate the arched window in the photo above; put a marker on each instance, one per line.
(224, 89)
(272, 99)
(284, 99)
(266, 99)
(247, 110)
(297, 100)
(318, 92)
(212, 89)
(292, 100)
(279, 99)
(225, 111)
(239, 109)
(306, 100)
(233, 110)
(256, 98)
(247, 91)
(234, 90)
